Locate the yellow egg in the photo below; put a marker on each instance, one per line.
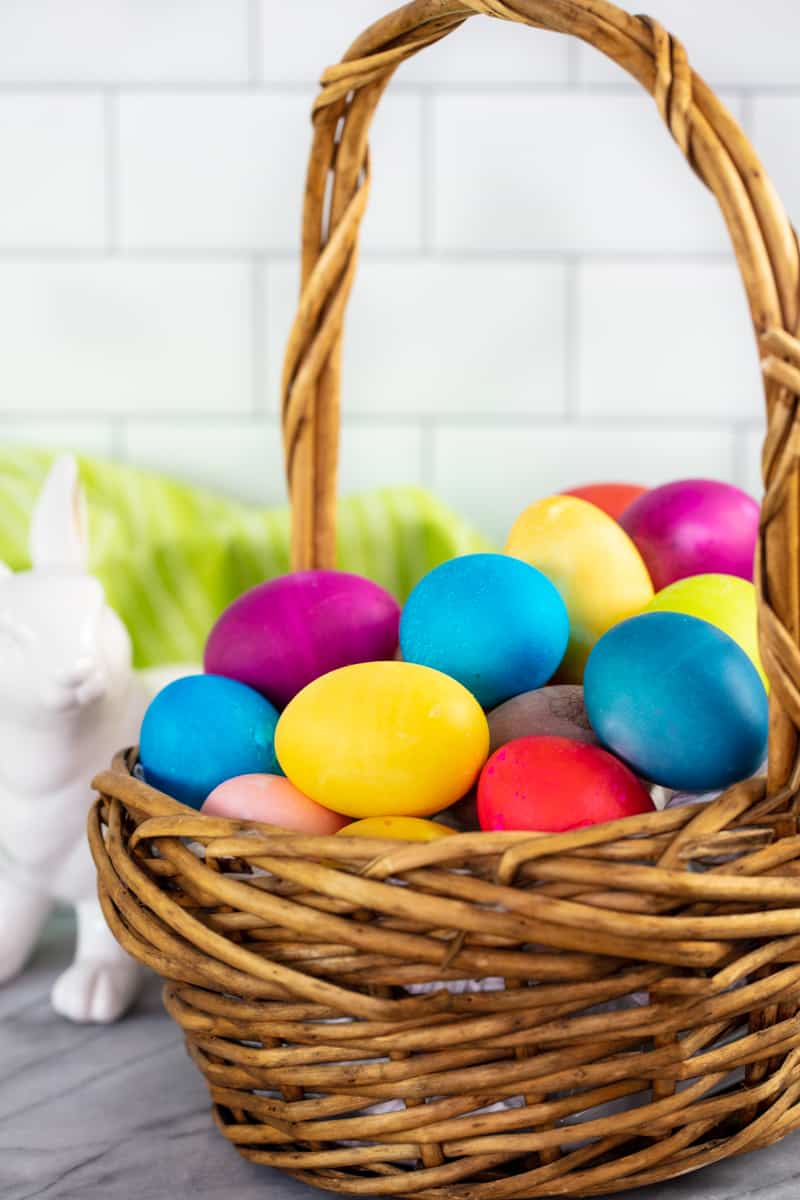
(383, 739)
(407, 829)
(723, 600)
(593, 563)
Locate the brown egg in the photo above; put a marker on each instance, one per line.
(555, 711)
(463, 815)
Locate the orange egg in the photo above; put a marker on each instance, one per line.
(273, 800)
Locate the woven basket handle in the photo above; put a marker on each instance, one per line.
(766, 248)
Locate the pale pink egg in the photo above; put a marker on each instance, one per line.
(273, 800)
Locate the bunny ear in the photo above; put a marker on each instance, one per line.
(58, 535)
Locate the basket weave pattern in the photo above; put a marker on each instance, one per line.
(648, 1021)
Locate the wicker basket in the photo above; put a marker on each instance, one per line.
(648, 1023)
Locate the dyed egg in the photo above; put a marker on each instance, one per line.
(612, 498)
(592, 562)
(681, 799)
(693, 527)
(273, 800)
(727, 601)
(407, 829)
(203, 729)
(383, 739)
(464, 813)
(556, 711)
(551, 784)
(282, 634)
(678, 700)
(494, 623)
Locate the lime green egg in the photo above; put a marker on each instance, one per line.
(726, 601)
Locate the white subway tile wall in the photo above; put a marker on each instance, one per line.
(121, 338)
(428, 338)
(124, 41)
(225, 171)
(695, 314)
(52, 154)
(748, 43)
(564, 172)
(546, 295)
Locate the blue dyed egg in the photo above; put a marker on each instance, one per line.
(204, 729)
(678, 700)
(494, 623)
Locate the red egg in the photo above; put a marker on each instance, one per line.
(551, 784)
(613, 498)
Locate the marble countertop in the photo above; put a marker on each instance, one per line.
(90, 1113)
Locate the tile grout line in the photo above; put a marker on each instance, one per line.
(742, 464)
(572, 85)
(119, 439)
(747, 113)
(737, 454)
(573, 63)
(427, 449)
(207, 254)
(481, 420)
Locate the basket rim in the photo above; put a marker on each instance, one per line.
(663, 820)
(703, 823)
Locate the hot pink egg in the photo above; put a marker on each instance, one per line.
(693, 527)
(283, 634)
(273, 800)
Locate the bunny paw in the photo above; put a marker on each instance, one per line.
(96, 991)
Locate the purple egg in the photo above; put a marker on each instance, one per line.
(282, 634)
(693, 527)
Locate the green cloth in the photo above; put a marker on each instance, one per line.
(172, 557)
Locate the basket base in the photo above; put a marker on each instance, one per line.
(555, 1178)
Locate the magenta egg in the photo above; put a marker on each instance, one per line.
(282, 634)
(693, 527)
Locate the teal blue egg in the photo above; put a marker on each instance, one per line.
(204, 729)
(678, 700)
(493, 622)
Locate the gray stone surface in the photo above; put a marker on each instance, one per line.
(121, 1114)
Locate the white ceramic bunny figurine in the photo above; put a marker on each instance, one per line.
(69, 699)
